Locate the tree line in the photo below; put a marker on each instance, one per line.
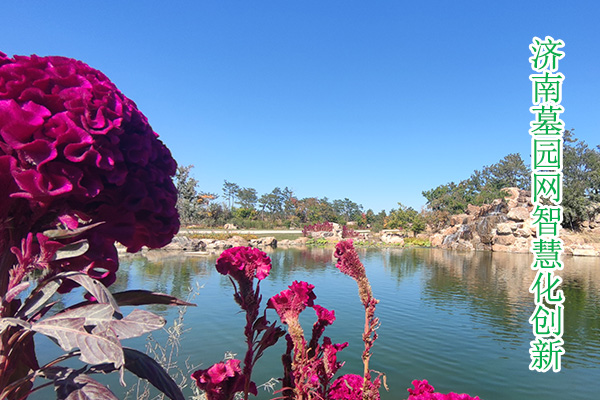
(581, 185)
(245, 207)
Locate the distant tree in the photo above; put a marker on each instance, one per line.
(313, 210)
(230, 190)
(187, 195)
(406, 218)
(482, 187)
(247, 198)
(511, 171)
(347, 210)
(581, 181)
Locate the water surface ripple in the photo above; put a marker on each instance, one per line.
(456, 319)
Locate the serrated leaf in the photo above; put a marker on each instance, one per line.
(73, 385)
(146, 368)
(71, 250)
(69, 233)
(143, 297)
(96, 347)
(136, 324)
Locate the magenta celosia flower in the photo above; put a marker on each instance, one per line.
(330, 363)
(347, 387)
(291, 302)
(421, 387)
(324, 316)
(74, 150)
(348, 261)
(244, 261)
(424, 391)
(222, 380)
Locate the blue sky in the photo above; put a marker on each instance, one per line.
(374, 101)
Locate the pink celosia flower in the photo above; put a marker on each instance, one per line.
(291, 302)
(421, 387)
(244, 261)
(347, 387)
(72, 144)
(222, 380)
(330, 363)
(324, 318)
(348, 261)
(424, 391)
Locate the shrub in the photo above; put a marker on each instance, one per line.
(318, 227)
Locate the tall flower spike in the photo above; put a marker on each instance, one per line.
(244, 264)
(349, 263)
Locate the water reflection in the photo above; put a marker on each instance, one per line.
(175, 275)
(493, 288)
(458, 319)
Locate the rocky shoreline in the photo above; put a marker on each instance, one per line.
(505, 226)
(502, 226)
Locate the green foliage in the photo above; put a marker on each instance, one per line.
(313, 210)
(278, 204)
(230, 191)
(482, 187)
(320, 242)
(244, 213)
(581, 180)
(187, 195)
(347, 210)
(406, 218)
(247, 198)
(408, 242)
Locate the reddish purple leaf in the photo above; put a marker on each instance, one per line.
(35, 301)
(93, 313)
(96, 347)
(95, 288)
(142, 297)
(146, 368)
(69, 233)
(72, 385)
(15, 291)
(135, 324)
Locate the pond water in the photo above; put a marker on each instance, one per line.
(456, 319)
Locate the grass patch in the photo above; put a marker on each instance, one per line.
(410, 242)
(320, 242)
(281, 236)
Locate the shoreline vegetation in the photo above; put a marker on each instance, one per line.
(503, 225)
(490, 210)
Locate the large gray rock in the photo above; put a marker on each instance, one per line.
(392, 238)
(585, 252)
(264, 242)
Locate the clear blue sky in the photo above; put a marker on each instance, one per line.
(375, 101)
